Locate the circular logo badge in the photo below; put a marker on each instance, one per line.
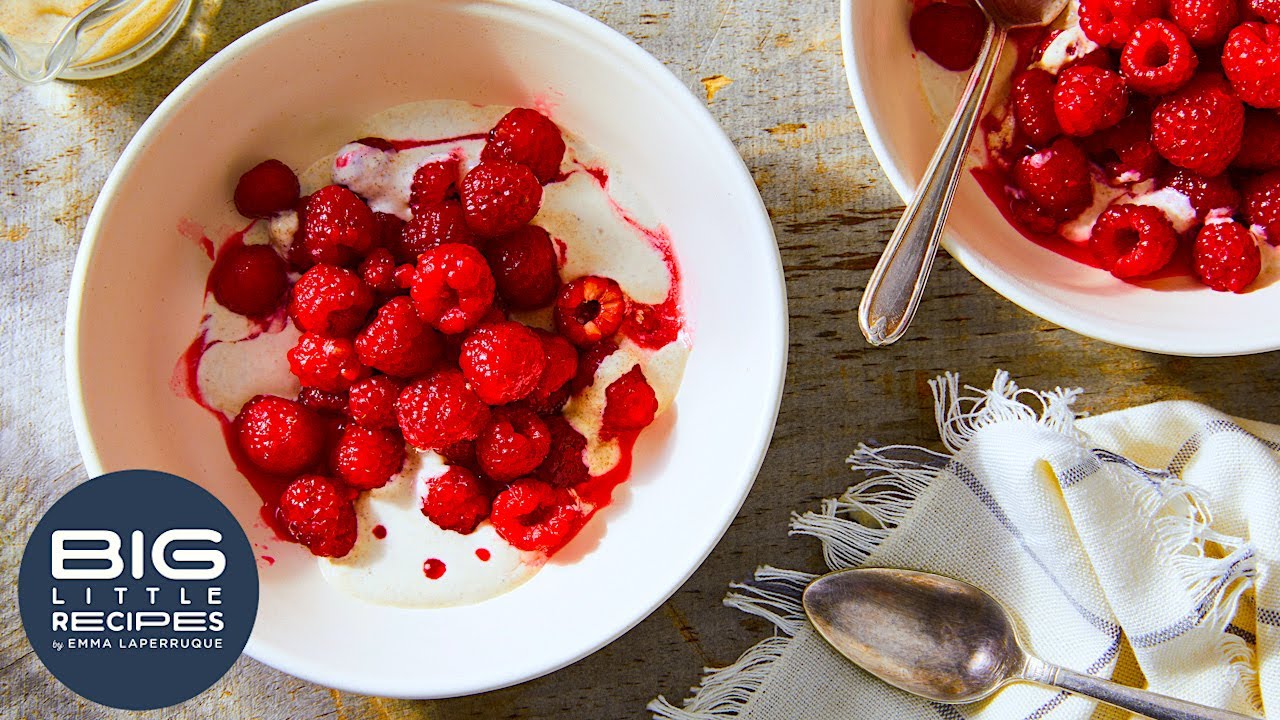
(138, 589)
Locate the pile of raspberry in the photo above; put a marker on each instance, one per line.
(1180, 93)
(406, 337)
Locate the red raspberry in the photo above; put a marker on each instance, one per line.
(387, 229)
(453, 287)
(1251, 60)
(248, 280)
(629, 404)
(431, 226)
(526, 137)
(535, 516)
(372, 401)
(440, 410)
(330, 301)
(397, 342)
(1133, 240)
(1158, 58)
(513, 445)
(590, 309)
(1206, 22)
(318, 514)
(1126, 151)
(460, 454)
(561, 366)
(279, 435)
(1088, 99)
(589, 363)
(524, 267)
(323, 401)
(499, 197)
(1227, 257)
(503, 361)
(564, 465)
(950, 34)
(1262, 203)
(337, 227)
(378, 270)
(1056, 179)
(266, 189)
(1199, 127)
(1031, 218)
(327, 363)
(1032, 97)
(456, 500)
(366, 459)
(432, 183)
(1260, 145)
(1111, 22)
(1268, 10)
(1206, 194)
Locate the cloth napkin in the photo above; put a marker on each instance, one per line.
(1140, 545)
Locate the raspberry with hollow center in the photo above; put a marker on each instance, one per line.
(330, 300)
(524, 266)
(1260, 144)
(456, 500)
(1206, 22)
(1158, 58)
(317, 513)
(248, 280)
(452, 288)
(590, 309)
(498, 197)
(1251, 61)
(1088, 99)
(561, 366)
(1133, 240)
(1206, 194)
(513, 445)
(1262, 204)
(431, 226)
(1111, 22)
(1032, 98)
(564, 465)
(950, 34)
(1200, 126)
(372, 402)
(630, 404)
(278, 435)
(326, 363)
(367, 458)
(337, 227)
(502, 361)
(534, 516)
(1226, 257)
(432, 183)
(526, 137)
(1056, 179)
(265, 189)
(397, 341)
(440, 410)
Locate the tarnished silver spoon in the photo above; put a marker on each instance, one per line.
(950, 642)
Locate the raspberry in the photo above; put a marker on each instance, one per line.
(324, 401)
(378, 270)
(629, 404)
(461, 454)
(440, 410)
(499, 197)
(1251, 60)
(1111, 22)
(950, 34)
(397, 342)
(456, 501)
(535, 516)
(589, 309)
(1133, 240)
(526, 137)
(372, 401)
(1206, 22)
(513, 445)
(1126, 151)
(1088, 99)
(503, 361)
(1031, 218)
(1226, 256)
(1260, 145)
(387, 229)
(330, 301)
(326, 363)
(1268, 10)
(366, 459)
(524, 267)
(1206, 194)
(561, 366)
(318, 514)
(279, 435)
(432, 183)
(248, 280)
(337, 227)
(1056, 179)
(589, 363)
(564, 465)
(432, 226)
(1199, 127)
(1262, 203)
(1158, 58)
(266, 189)
(1032, 97)
(453, 287)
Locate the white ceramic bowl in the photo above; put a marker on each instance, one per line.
(294, 89)
(1181, 318)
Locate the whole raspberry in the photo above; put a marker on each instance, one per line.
(323, 401)
(248, 279)
(589, 363)
(526, 137)
(330, 300)
(1206, 22)
(561, 366)
(453, 287)
(460, 454)
(397, 341)
(1111, 22)
(1226, 256)
(524, 266)
(534, 516)
(367, 458)
(950, 34)
(1262, 204)
(1056, 179)
(278, 435)
(1125, 151)
(564, 465)
(432, 183)
(1032, 98)
(590, 309)
(1207, 194)
(337, 227)
(502, 361)
(326, 363)
(1031, 218)
(1088, 99)
(456, 500)
(266, 189)
(1268, 10)
(378, 270)
(630, 404)
(499, 197)
(433, 225)
(1251, 60)
(1158, 58)
(317, 513)
(387, 227)
(1133, 240)
(1260, 145)
(513, 445)
(372, 402)
(440, 410)
(1199, 127)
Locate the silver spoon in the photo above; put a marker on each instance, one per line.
(950, 642)
(894, 290)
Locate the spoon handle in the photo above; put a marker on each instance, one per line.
(1143, 702)
(898, 282)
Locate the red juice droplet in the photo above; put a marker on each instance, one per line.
(483, 554)
(433, 569)
(268, 560)
(379, 531)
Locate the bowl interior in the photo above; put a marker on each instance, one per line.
(295, 89)
(1182, 317)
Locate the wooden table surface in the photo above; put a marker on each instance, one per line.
(771, 73)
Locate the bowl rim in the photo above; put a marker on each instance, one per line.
(628, 52)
